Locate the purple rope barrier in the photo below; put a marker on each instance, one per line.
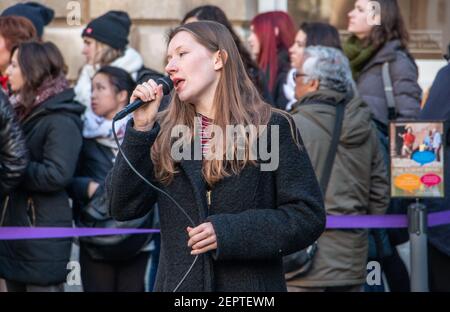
(16, 233)
(333, 222)
(367, 222)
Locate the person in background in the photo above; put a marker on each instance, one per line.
(38, 14)
(427, 92)
(13, 30)
(105, 43)
(372, 47)
(13, 155)
(438, 108)
(13, 152)
(323, 83)
(309, 34)
(272, 34)
(50, 119)
(120, 265)
(216, 14)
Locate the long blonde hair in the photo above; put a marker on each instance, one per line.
(236, 101)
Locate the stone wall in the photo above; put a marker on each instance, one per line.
(152, 19)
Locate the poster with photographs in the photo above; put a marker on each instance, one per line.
(417, 159)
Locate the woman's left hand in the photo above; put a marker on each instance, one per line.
(202, 238)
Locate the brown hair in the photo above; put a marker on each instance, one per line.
(392, 26)
(322, 34)
(38, 62)
(236, 100)
(216, 14)
(16, 29)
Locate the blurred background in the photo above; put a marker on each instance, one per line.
(428, 22)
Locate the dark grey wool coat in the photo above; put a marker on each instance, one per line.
(258, 216)
(404, 75)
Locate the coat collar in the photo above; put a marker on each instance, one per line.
(386, 54)
(329, 97)
(193, 171)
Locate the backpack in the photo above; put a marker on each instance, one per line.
(112, 247)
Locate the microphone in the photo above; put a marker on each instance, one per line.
(167, 84)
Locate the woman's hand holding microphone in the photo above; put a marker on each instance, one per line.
(152, 94)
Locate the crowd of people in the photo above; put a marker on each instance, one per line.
(240, 228)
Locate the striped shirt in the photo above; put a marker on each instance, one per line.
(205, 135)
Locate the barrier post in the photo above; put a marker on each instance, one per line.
(418, 229)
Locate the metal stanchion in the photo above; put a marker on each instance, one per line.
(418, 229)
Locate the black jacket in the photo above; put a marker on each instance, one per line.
(279, 97)
(95, 161)
(259, 80)
(258, 216)
(53, 137)
(438, 108)
(13, 152)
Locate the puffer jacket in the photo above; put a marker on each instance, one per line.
(13, 152)
(404, 75)
(53, 137)
(358, 184)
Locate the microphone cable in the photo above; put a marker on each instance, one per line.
(162, 192)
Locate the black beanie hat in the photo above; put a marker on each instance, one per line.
(38, 14)
(112, 28)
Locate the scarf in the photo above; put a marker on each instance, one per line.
(358, 54)
(49, 88)
(100, 129)
(96, 127)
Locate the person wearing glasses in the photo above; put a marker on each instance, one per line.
(354, 182)
(309, 34)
